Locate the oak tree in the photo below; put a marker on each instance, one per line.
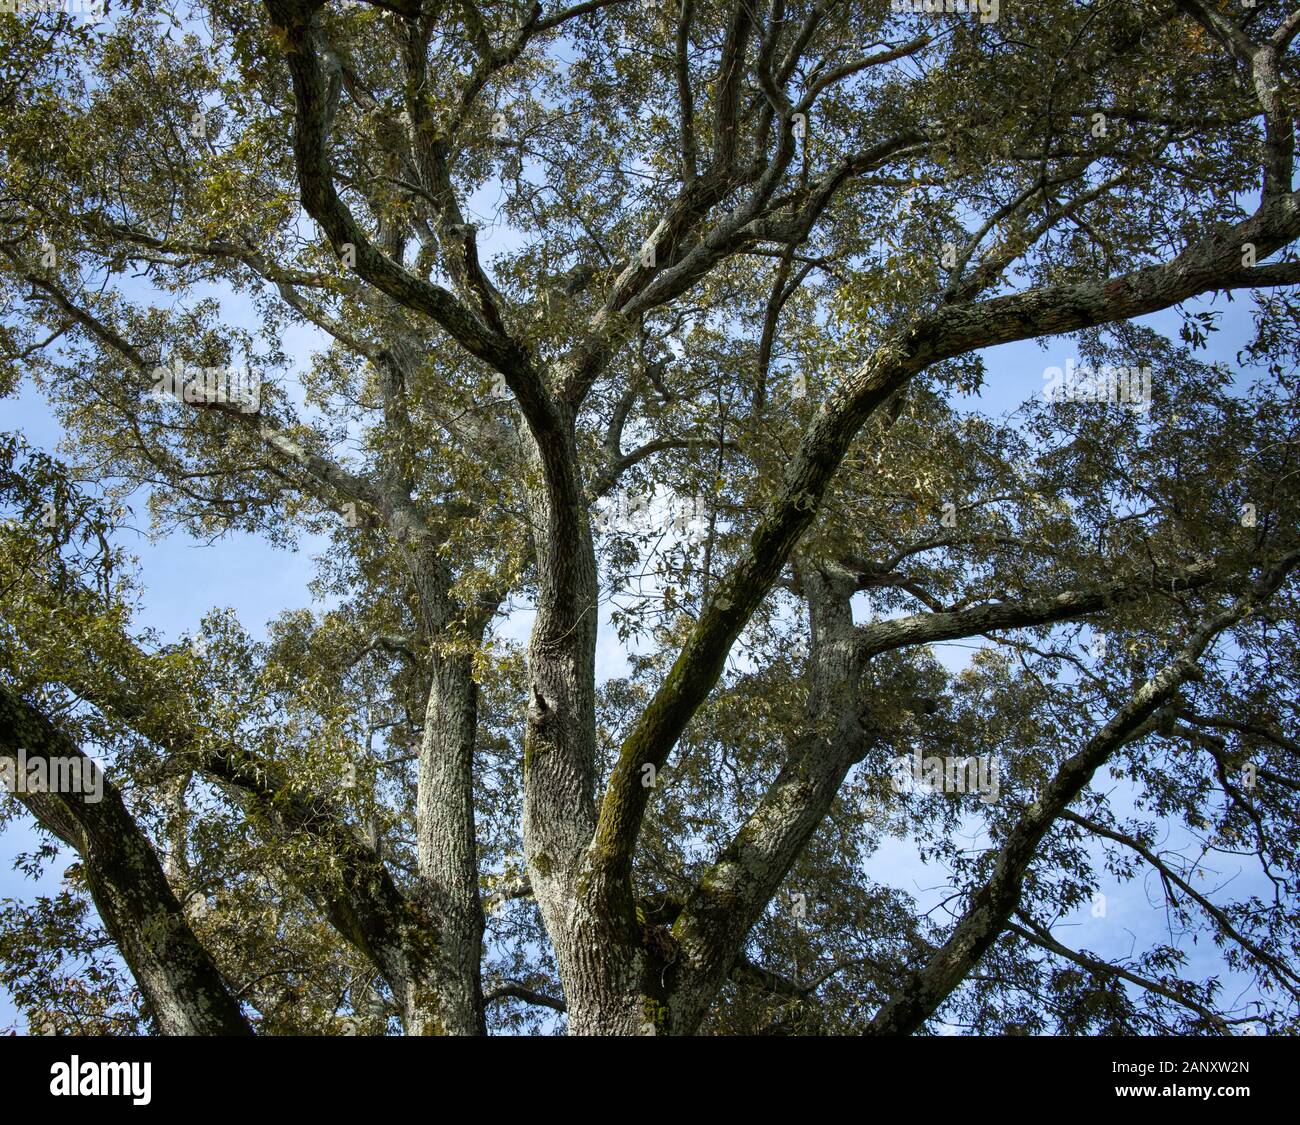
(661, 328)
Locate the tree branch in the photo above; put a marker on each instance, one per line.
(994, 902)
(175, 973)
(1214, 262)
(927, 628)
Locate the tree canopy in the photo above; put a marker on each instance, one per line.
(661, 326)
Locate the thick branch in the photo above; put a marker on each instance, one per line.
(1213, 263)
(927, 628)
(175, 973)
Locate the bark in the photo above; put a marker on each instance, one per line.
(590, 919)
(362, 902)
(447, 852)
(711, 929)
(176, 975)
(927, 628)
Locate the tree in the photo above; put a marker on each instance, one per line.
(662, 321)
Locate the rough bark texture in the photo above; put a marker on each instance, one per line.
(183, 988)
(713, 925)
(590, 920)
(447, 851)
